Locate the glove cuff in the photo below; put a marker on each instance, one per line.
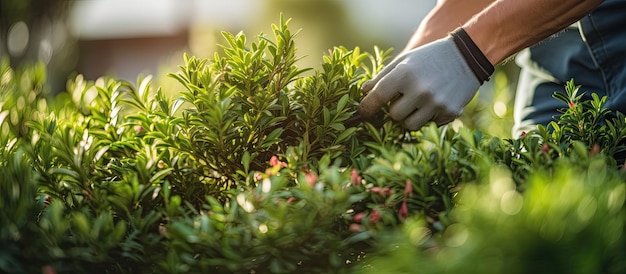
(476, 60)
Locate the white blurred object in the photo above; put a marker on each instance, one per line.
(103, 19)
(392, 19)
(106, 19)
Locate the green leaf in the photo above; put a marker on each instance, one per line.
(345, 135)
(158, 176)
(245, 161)
(342, 103)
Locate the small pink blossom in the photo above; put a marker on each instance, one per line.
(545, 148)
(258, 176)
(355, 227)
(403, 211)
(571, 104)
(408, 188)
(375, 189)
(274, 161)
(355, 179)
(382, 191)
(594, 150)
(375, 216)
(358, 217)
(311, 178)
(387, 191)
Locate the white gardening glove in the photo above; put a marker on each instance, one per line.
(430, 83)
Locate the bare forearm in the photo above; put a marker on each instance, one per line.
(446, 16)
(507, 26)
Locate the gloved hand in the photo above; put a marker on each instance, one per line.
(430, 83)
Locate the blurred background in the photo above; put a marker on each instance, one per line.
(125, 38)
(129, 38)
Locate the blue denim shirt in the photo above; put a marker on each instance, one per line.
(592, 52)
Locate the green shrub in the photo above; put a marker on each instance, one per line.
(254, 169)
(569, 219)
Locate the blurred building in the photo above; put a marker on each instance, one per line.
(126, 38)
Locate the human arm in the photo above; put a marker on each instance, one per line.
(508, 26)
(446, 16)
(435, 81)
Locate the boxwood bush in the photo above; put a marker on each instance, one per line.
(253, 168)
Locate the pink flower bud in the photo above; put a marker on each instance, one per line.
(258, 176)
(522, 134)
(408, 188)
(355, 179)
(274, 161)
(571, 104)
(311, 178)
(355, 227)
(358, 217)
(375, 216)
(594, 150)
(545, 148)
(403, 211)
(138, 129)
(376, 190)
(387, 191)
(382, 191)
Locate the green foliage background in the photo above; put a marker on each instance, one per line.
(252, 169)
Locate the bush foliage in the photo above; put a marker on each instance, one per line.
(254, 169)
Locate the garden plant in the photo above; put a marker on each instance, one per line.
(253, 167)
